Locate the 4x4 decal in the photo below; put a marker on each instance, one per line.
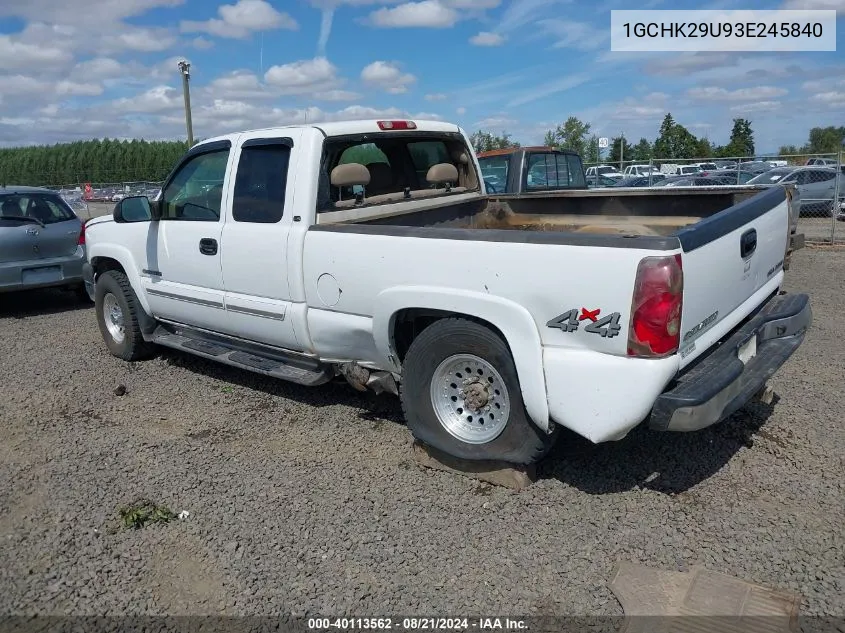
(570, 321)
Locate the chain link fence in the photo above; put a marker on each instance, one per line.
(818, 178)
(89, 199)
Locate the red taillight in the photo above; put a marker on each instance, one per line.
(655, 329)
(397, 125)
(81, 240)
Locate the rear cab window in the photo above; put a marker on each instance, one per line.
(39, 207)
(554, 170)
(398, 165)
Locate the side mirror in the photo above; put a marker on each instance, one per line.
(135, 209)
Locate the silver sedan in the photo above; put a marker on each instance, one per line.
(42, 241)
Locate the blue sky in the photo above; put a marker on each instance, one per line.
(74, 69)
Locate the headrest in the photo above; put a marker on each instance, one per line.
(442, 173)
(460, 156)
(349, 175)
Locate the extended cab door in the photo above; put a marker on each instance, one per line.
(255, 243)
(183, 279)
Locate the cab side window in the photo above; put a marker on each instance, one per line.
(261, 183)
(196, 192)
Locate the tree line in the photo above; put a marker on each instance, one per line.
(674, 141)
(112, 160)
(96, 161)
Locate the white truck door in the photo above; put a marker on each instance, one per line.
(183, 280)
(255, 243)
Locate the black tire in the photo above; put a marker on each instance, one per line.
(133, 346)
(520, 442)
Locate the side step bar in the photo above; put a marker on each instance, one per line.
(276, 367)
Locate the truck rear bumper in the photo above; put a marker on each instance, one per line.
(720, 383)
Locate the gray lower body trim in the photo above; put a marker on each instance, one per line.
(169, 295)
(252, 312)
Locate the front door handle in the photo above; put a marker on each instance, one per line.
(208, 246)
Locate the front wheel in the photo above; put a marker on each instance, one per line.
(117, 310)
(461, 395)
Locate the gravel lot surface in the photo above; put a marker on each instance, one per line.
(305, 501)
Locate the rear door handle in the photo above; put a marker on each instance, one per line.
(208, 246)
(748, 243)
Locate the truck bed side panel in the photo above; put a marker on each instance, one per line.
(546, 278)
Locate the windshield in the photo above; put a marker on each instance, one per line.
(494, 171)
(605, 170)
(39, 207)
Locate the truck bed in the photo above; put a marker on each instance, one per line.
(626, 212)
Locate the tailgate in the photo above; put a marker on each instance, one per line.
(732, 261)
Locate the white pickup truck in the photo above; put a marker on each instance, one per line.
(370, 250)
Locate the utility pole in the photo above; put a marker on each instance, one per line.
(185, 68)
(622, 152)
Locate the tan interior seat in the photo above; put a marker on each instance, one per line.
(349, 175)
(444, 174)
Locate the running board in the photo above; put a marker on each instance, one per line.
(222, 353)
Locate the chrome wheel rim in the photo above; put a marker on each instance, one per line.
(470, 399)
(113, 318)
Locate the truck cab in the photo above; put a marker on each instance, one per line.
(531, 169)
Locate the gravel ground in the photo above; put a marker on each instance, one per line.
(305, 501)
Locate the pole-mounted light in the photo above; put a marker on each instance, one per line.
(185, 69)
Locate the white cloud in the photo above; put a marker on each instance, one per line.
(833, 99)
(549, 88)
(60, 11)
(142, 40)
(680, 65)
(202, 44)
(97, 68)
(437, 96)
(18, 55)
(427, 13)
(573, 34)
(337, 95)
(461, 111)
(495, 122)
(77, 89)
(487, 38)
(158, 99)
(238, 84)
(387, 76)
(759, 106)
(304, 76)
(757, 93)
(241, 19)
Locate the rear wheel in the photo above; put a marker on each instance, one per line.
(461, 395)
(117, 310)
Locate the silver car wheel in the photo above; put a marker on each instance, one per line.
(470, 398)
(113, 318)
